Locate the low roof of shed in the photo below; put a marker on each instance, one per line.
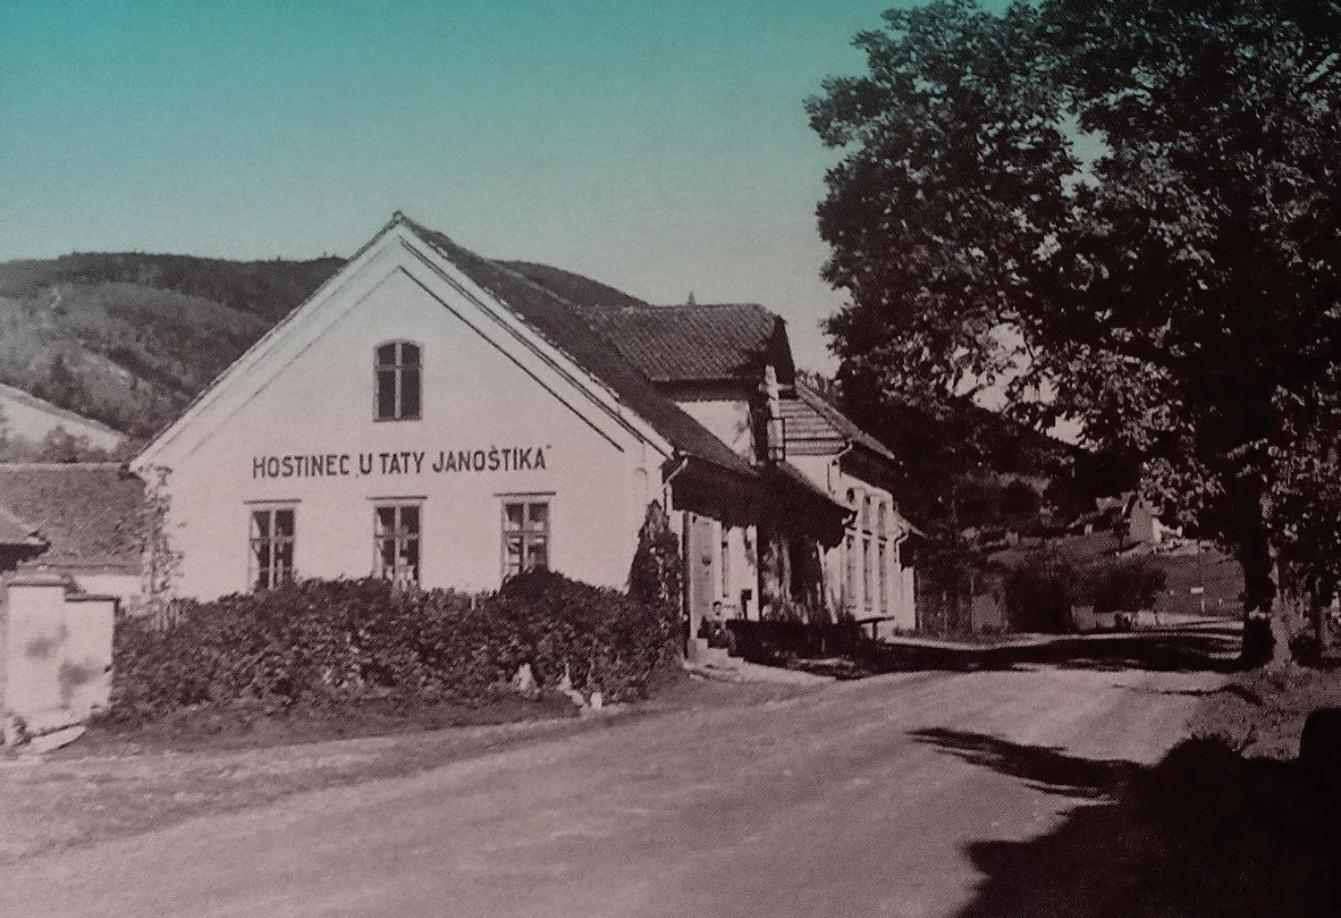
(89, 514)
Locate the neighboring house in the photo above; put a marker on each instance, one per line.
(79, 520)
(19, 541)
(437, 418)
(730, 367)
(32, 419)
(872, 574)
(1130, 517)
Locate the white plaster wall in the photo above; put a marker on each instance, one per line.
(727, 419)
(742, 570)
(825, 472)
(57, 654)
(475, 397)
(745, 567)
(125, 587)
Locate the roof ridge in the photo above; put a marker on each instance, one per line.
(740, 304)
(269, 334)
(621, 377)
(577, 310)
(62, 466)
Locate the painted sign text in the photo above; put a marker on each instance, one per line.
(401, 462)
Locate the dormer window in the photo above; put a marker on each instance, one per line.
(398, 377)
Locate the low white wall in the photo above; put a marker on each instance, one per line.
(56, 651)
(128, 589)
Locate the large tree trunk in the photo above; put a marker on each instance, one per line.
(1266, 638)
(1320, 601)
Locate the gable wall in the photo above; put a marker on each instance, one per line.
(476, 398)
(727, 419)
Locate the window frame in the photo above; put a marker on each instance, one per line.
(273, 543)
(882, 573)
(866, 562)
(882, 555)
(397, 368)
(398, 505)
(851, 600)
(526, 533)
(725, 561)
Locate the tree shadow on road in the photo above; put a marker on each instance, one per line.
(1164, 652)
(1044, 768)
(1204, 832)
(1167, 651)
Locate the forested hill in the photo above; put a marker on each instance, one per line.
(129, 338)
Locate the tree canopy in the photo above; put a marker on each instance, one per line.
(1125, 212)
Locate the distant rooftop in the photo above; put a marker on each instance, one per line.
(699, 342)
(89, 513)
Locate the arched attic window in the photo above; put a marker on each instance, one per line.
(398, 381)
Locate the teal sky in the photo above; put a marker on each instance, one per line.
(658, 146)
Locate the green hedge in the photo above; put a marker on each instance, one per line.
(327, 642)
(1125, 585)
(1039, 595)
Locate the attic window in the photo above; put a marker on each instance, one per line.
(399, 376)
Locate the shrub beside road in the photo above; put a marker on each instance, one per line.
(319, 645)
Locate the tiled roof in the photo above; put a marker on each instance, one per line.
(699, 343)
(582, 292)
(561, 322)
(90, 513)
(814, 426)
(806, 430)
(15, 531)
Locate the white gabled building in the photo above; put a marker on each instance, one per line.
(436, 417)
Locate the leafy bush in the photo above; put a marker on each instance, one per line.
(1039, 595)
(1123, 585)
(326, 642)
(1306, 649)
(657, 572)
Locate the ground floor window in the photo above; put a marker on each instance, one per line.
(726, 561)
(525, 535)
(272, 539)
(396, 532)
(850, 561)
(882, 570)
(866, 590)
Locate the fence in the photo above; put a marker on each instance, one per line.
(761, 641)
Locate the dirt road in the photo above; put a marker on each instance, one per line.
(861, 798)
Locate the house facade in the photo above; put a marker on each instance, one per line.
(444, 420)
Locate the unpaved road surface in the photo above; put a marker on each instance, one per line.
(859, 798)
